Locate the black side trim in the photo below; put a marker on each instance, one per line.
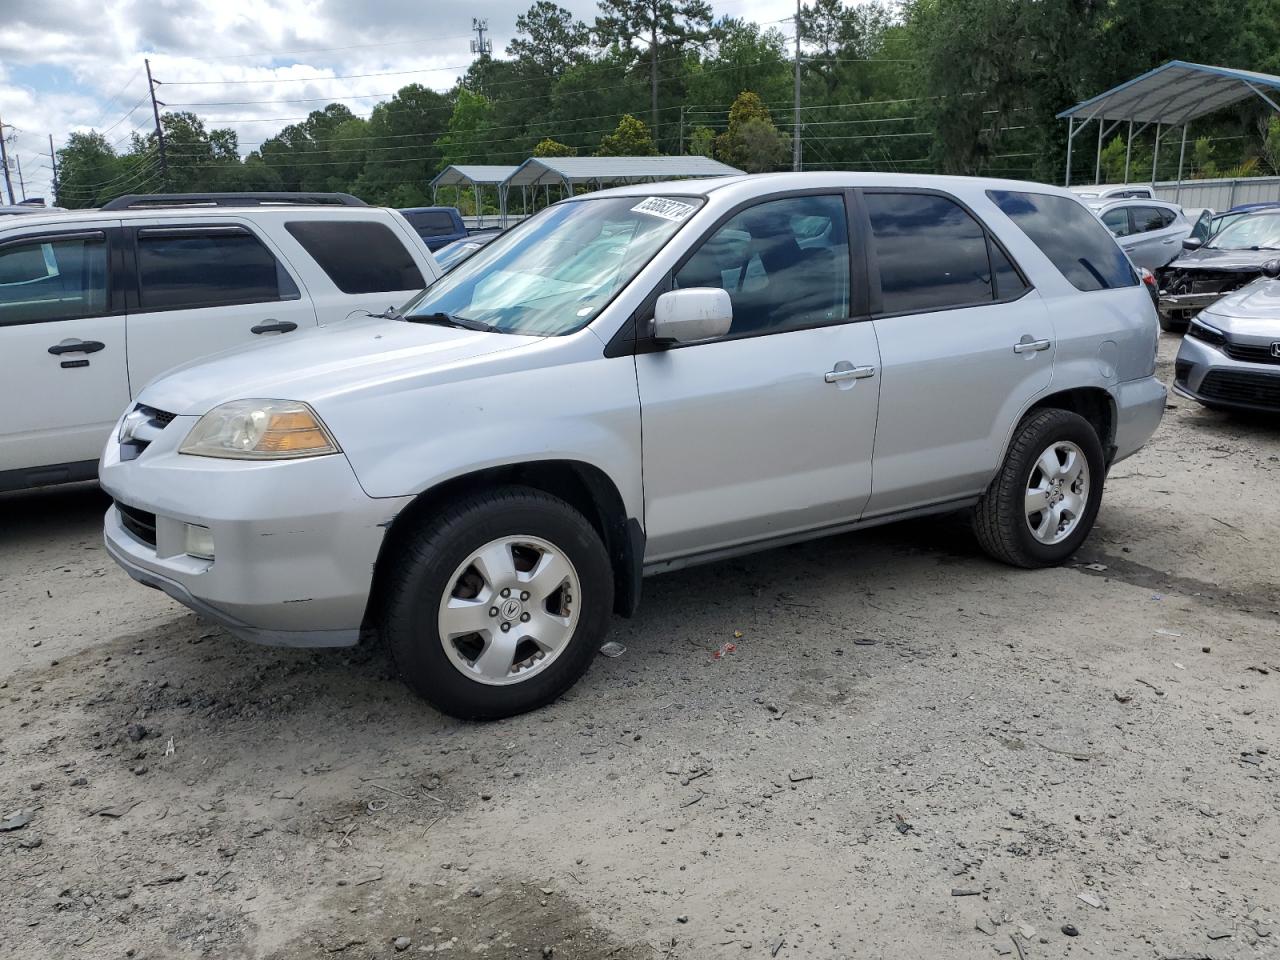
(626, 589)
(135, 201)
(48, 475)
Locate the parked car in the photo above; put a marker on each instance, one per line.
(437, 226)
(1209, 223)
(1150, 231)
(804, 354)
(19, 209)
(1223, 263)
(1114, 191)
(1230, 357)
(96, 303)
(452, 254)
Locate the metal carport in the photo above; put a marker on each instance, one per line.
(476, 176)
(568, 172)
(1170, 95)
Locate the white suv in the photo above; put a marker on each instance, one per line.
(636, 380)
(96, 303)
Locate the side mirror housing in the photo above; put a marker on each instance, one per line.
(1191, 243)
(692, 315)
(1271, 269)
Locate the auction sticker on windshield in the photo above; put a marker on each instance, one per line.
(672, 210)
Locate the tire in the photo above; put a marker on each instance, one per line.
(1173, 326)
(1001, 519)
(443, 564)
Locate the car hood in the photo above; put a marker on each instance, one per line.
(1253, 310)
(319, 364)
(1207, 258)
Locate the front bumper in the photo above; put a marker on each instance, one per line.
(1182, 307)
(295, 541)
(1207, 375)
(1139, 407)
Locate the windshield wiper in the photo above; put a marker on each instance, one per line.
(391, 313)
(449, 320)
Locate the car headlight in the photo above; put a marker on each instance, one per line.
(260, 430)
(1202, 331)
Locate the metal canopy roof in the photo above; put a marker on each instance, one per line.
(472, 174)
(1177, 93)
(539, 170)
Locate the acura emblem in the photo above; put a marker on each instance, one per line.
(136, 418)
(1275, 348)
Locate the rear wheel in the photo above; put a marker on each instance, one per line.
(1042, 504)
(1173, 326)
(498, 604)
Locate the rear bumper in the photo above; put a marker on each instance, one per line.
(1139, 407)
(1185, 306)
(295, 541)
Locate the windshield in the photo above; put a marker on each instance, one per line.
(555, 273)
(1259, 232)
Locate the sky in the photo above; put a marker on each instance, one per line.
(68, 65)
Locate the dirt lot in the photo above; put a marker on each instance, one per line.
(913, 752)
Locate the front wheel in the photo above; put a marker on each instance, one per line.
(1042, 504)
(498, 604)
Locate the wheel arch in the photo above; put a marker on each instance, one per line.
(1094, 404)
(585, 487)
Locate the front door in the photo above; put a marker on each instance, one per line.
(965, 345)
(768, 431)
(202, 289)
(62, 354)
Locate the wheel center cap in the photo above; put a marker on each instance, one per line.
(511, 609)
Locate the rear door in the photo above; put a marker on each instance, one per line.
(1156, 238)
(63, 378)
(201, 288)
(965, 344)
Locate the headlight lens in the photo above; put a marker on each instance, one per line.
(1202, 331)
(260, 430)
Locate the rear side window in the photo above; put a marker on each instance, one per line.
(55, 279)
(1146, 219)
(933, 255)
(185, 268)
(1070, 236)
(360, 256)
(1117, 221)
(434, 222)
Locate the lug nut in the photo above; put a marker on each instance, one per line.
(506, 592)
(524, 594)
(493, 611)
(506, 627)
(524, 618)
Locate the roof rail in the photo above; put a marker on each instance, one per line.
(136, 201)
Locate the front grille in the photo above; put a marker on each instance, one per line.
(148, 419)
(138, 522)
(1251, 352)
(1235, 386)
(162, 417)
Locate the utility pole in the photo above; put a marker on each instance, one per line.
(653, 72)
(22, 185)
(53, 164)
(681, 150)
(797, 154)
(155, 111)
(4, 162)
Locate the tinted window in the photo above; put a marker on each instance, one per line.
(1146, 219)
(57, 280)
(359, 256)
(1070, 236)
(180, 268)
(1117, 221)
(1009, 283)
(930, 251)
(433, 223)
(785, 264)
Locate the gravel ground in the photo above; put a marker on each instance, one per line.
(912, 752)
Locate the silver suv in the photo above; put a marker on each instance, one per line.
(630, 382)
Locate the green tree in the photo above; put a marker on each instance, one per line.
(630, 139)
(702, 142)
(87, 165)
(665, 27)
(553, 148)
(752, 143)
(549, 38)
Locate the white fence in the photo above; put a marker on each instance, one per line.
(1219, 194)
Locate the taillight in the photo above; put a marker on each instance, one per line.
(1148, 277)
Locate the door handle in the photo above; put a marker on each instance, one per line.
(76, 346)
(1170, 240)
(1027, 345)
(848, 373)
(274, 326)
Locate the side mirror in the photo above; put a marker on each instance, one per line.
(688, 316)
(1271, 269)
(1192, 243)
